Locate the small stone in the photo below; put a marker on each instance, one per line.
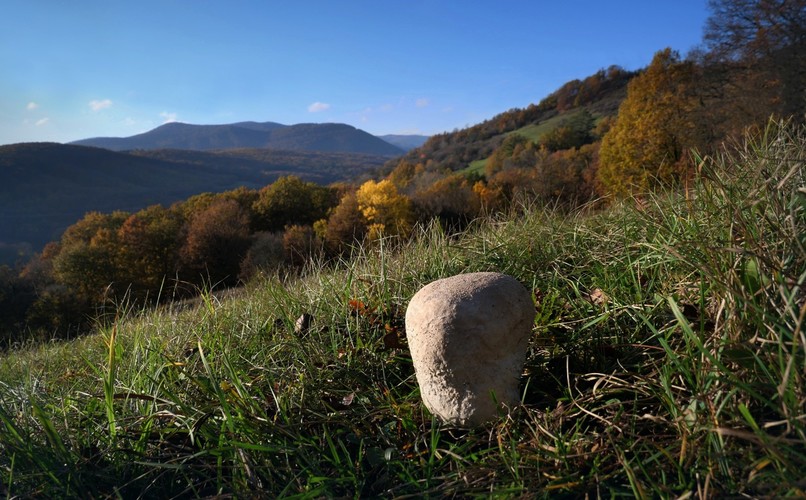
(468, 336)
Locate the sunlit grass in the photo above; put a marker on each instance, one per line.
(667, 360)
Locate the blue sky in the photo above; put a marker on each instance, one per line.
(86, 68)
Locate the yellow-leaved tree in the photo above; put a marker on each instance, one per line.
(388, 213)
(655, 127)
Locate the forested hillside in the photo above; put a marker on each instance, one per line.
(599, 94)
(45, 187)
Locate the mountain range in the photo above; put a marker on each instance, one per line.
(45, 187)
(320, 137)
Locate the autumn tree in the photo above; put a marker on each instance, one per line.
(386, 210)
(16, 297)
(345, 226)
(758, 47)
(87, 261)
(216, 242)
(451, 199)
(490, 195)
(514, 151)
(513, 183)
(403, 174)
(290, 200)
(299, 244)
(647, 144)
(567, 176)
(265, 253)
(57, 309)
(196, 204)
(149, 248)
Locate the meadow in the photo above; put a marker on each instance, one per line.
(667, 360)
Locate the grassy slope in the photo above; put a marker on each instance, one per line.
(534, 132)
(667, 358)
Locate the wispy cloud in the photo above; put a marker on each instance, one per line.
(422, 102)
(31, 106)
(42, 121)
(318, 107)
(367, 113)
(98, 105)
(168, 117)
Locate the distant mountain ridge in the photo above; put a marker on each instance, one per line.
(320, 137)
(405, 141)
(45, 187)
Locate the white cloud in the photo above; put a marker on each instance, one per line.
(318, 107)
(42, 121)
(98, 105)
(168, 117)
(31, 106)
(422, 102)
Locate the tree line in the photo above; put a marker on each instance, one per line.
(750, 68)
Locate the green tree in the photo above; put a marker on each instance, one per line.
(508, 154)
(647, 144)
(290, 200)
(574, 132)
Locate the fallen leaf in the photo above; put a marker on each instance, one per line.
(348, 399)
(598, 298)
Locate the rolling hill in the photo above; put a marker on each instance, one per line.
(45, 187)
(599, 94)
(321, 137)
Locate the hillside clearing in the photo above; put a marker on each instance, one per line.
(534, 132)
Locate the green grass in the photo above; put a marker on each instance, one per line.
(475, 167)
(667, 360)
(533, 132)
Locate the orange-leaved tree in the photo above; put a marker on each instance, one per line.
(344, 226)
(149, 248)
(655, 128)
(217, 240)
